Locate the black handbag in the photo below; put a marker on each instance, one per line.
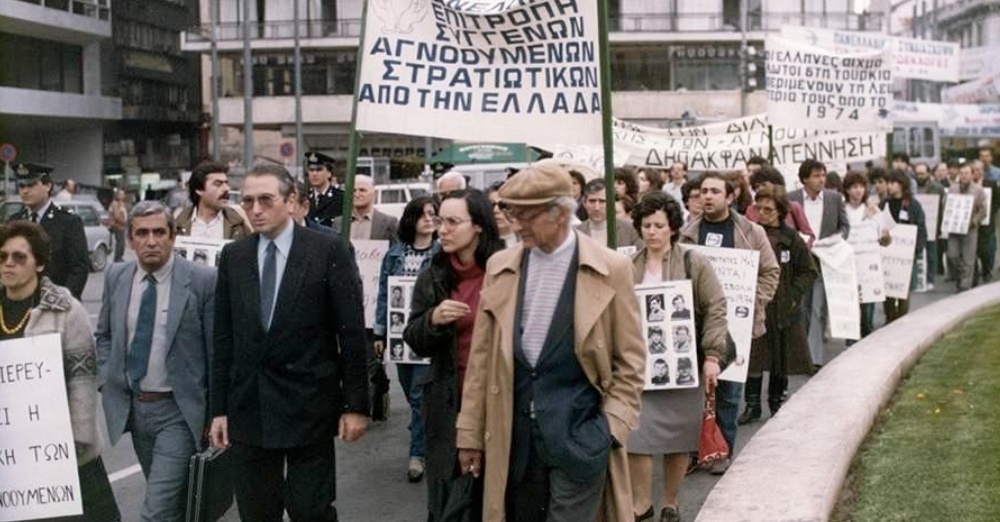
(460, 502)
(210, 486)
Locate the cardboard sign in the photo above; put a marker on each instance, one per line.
(931, 203)
(369, 254)
(957, 213)
(668, 330)
(38, 472)
(840, 281)
(200, 250)
(897, 261)
(399, 298)
(987, 204)
(867, 261)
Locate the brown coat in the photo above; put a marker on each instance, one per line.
(608, 345)
(234, 226)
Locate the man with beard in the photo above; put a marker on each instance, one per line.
(210, 215)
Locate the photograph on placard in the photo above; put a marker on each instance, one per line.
(656, 344)
(396, 350)
(396, 298)
(681, 311)
(670, 342)
(661, 372)
(654, 308)
(682, 339)
(200, 250)
(400, 298)
(685, 371)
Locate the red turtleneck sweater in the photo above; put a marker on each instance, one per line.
(469, 282)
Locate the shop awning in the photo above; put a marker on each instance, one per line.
(469, 153)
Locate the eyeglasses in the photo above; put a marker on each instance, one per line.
(19, 258)
(265, 200)
(522, 215)
(766, 210)
(449, 222)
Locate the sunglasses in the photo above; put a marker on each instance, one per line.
(19, 258)
(265, 200)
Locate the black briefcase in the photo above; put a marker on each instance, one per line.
(210, 486)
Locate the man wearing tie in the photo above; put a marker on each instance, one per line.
(154, 338)
(288, 370)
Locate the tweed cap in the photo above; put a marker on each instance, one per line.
(536, 185)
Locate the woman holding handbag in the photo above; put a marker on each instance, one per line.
(671, 420)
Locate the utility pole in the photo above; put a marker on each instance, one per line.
(247, 90)
(744, 79)
(213, 13)
(299, 151)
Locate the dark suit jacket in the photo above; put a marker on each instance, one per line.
(286, 387)
(69, 264)
(189, 337)
(834, 213)
(329, 207)
(383, 226)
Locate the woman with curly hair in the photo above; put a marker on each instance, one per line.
(627, 183)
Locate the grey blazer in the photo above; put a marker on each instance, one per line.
(190, 319)
(834, 213)
(383, 226)
(625, 234)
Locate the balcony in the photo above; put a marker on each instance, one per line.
(78, 22)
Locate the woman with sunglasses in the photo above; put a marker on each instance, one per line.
(416, 247)
(31, 305)
(442, 316)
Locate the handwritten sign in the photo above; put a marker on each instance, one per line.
(670, 335)
(817, 89)
(627, 251)
(987, 204)
(482, 71)
(921, 267)
(840, 281)
(867, 261)
(957, 213)
(38, 471)
(400, 299)
(736, 270)
(897, 261)
(931, 203)
(200, 250)
(369, 254)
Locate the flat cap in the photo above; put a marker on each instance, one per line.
(536, 185)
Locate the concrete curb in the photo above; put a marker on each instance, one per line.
(794, 467)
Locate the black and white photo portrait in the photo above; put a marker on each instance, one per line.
(682, 339)
(681, 311)
(656, 344)
(654, 308)
(661, 372)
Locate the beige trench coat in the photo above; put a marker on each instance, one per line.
(609, 347)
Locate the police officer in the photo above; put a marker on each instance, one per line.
(326, 200)
(70, 262)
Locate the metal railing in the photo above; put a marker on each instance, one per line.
(97, 9)
(278, 30)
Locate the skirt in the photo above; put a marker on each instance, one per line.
(670, 422)
(99, 503)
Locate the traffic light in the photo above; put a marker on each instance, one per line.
(749, 64)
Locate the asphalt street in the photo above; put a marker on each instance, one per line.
(371, 480)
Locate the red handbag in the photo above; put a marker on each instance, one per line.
(712, 445)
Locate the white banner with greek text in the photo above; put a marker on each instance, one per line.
(867, 261)
(840, 281)
(369, 254)
(980, 90)
(897, 261)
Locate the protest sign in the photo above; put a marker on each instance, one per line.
(921, 267)
(957, 213)
(897, 261)
(816, 89)
(931, 203)
(482, 71)
(987, 204)
(840, 282)
(867, 261)
(399, 299)
(736, 270)
(977, 62)
(369, 254)
(670, 339)
(953, 120)
(981, 90)
(38, 472)
(627, 251)
(911, 58)
(200, 250)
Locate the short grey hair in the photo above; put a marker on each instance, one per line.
(150, 208)
(566, 204)
(451, 175)
(286, 183)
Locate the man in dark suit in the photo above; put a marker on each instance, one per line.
(326, 199)
(154, 342)
(827, 216)
(288, 370)
(70, 260)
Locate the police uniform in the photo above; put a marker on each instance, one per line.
(326, 206)
(69, 263)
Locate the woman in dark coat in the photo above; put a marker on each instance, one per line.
(783, 350)
(445, 298)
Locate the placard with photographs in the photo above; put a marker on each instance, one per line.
(669, 335)
(200, 250)
(957, 213)
(399, 298)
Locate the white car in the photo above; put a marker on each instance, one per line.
(391, 198)
(99, 240)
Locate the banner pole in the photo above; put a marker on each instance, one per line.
(353, 138)
(770, 144)
(606, 115)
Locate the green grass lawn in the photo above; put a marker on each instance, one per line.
(934, 454)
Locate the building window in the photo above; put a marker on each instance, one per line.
(709, 67)
(323, 73)
(640, 69)
(30, 63)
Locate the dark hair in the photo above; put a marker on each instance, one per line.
(744, 200)
(758, 160)
(594, 185)
(683, 363)
(808, 166)
(681, 163)
(494, 187)
(686, 189)
(481, 212)
(200, 175)
(877, 173)
(833, 181)
(301, 193)
(627, 176)
(414, 210)
(730, 187)
(34, 234)
(902, 156)
(766, 174)
(578, 177)
(778, 196)
(654, 201)
(285, 181)
(655, 330)
(901, 177)
(654, 177)
(854, 178)
(627, 203)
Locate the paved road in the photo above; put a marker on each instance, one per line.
(372, 472)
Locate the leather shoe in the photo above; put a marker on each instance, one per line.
(720, 466)
(670, 514)
(416, 470)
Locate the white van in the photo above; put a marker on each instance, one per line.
(391, 198)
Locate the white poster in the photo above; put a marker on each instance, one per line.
(670, 336)
(493, 71)
(953, 120)
(921, 267)
(840, 281)
(369, 254)
(200, 250)
(736, 270)
(38, 473)
(897, 261)
(957, 213)
(812, 88)
(867, 261)
(399, 298)
(627, 251)
(977, 62)
(931, 203)
(987, 204)
(981, 90)
(911, 58)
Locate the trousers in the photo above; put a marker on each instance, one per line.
(962, 255)
(163, 445)
(271, 480)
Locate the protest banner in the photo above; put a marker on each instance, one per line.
(977, 62)
(897, 261)
(493, 71)
(957, 213)
(980, 90)
(399, 299)
(736, 270)
(816, 89)
(200, 250)
(670, 337)
(369, 254)
(911, 58)
(931, 203)
(987, 204)
(38, 471)
(867, 261)
(840, 281)
(953, 120)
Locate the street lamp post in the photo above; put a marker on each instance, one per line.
(247, 90)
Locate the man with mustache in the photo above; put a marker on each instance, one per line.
(210, 215)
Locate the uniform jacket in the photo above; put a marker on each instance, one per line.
(834, 213)
(608, 345)
(69, 264)
(233, 226)
(190, 318)
(287, 386)
(625, 234)
(383, 226)
(748, 236)
(325, 207)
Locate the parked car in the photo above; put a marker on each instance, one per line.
(93, 215)
(391, 198)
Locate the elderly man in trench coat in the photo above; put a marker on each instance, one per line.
(555, 367)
